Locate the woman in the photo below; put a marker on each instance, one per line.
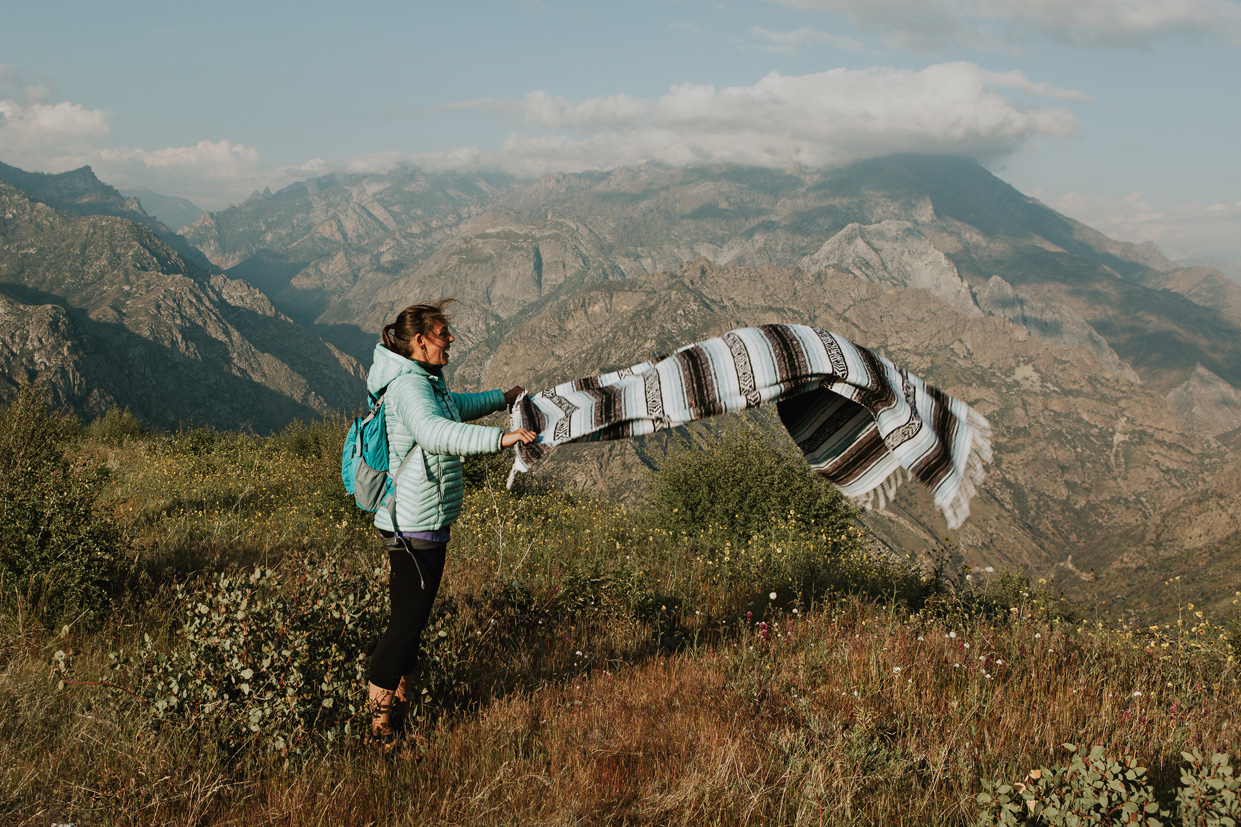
(425, 418)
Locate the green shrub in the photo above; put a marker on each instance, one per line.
(274, 660)
(1094, 789)
(319, 439)
(1208, 794)
(482, 470)
(57, 553)
(1014, 593)
(196, 440)
(739, 486)
(116, 427)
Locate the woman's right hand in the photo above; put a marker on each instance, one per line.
(510, 395)
(523, 435)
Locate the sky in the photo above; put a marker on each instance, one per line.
(1124, 114)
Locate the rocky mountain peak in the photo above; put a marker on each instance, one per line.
(1206, 404)
(77, 191)
(894, 253)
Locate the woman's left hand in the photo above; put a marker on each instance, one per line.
(510, 395)
(523, 435)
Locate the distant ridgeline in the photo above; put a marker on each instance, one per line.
(172, 211)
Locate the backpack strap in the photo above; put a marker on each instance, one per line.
(405, 461)
(392, 499)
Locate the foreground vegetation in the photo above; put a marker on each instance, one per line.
(184, 618)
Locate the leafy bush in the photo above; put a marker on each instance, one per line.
(1010, 594)
(56, 552)
(739, 486)
(1094, 789)
(116, 427)
(195, 440)
(1208, 795)
(265, 659)
(481, 470)
(312, 440)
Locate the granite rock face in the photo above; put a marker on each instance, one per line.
(1206, 404)
(1059, 326)
(896, 254)
(40, 342)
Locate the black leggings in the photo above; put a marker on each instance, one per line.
(416, 569)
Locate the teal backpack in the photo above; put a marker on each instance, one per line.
(364, 460)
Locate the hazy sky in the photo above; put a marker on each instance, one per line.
(1125, 114)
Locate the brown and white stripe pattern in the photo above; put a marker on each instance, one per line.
(859, 420)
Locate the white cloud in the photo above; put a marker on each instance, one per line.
(590, 115)
(30, 131)
(1181, 231)
(213, 174)
(928, 25)
(39, 135)
(817, 120)
(33, 128)
(213, 160)
(791, 43)
(484, 104)
(1123, 23)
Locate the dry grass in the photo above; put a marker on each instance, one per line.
(812, 725)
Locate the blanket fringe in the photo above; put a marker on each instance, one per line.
(956, 508)
(882, 494)
(955, 502)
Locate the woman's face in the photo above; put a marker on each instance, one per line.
(433, 347)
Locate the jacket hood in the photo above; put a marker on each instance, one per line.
(386, 366)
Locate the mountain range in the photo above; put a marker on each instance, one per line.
(1110, 373)
(346, 252)
(96, 303)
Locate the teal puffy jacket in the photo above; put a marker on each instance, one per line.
(423, 416)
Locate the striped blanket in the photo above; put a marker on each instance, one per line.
(861, 421)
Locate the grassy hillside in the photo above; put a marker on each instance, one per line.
(585, 664)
